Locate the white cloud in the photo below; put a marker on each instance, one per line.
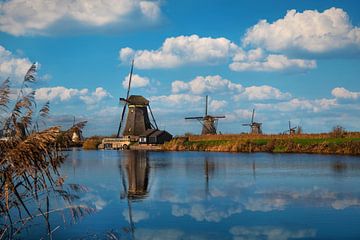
(264, 92)
(137, 215)
(272, 62)
(12, 66)
(340, 92)
(65, 94)
(39, 17)
(136, 81)
(95, 97)
(311, 31)
(265, 204)
(294, 104)
(208, 84)
(181, 50)
(159, 234)
(345, 203)
(177, 99)
(270, 233)
(217, 104)
(201, 212)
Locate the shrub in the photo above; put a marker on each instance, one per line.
(92, 143)
(338, 132)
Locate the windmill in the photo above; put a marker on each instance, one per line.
(137, 121)
(208, 122)
(255, 127)
(291, 130)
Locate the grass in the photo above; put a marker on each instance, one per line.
(302, 143)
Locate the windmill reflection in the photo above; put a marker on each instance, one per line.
(209, 169)
(134, 169)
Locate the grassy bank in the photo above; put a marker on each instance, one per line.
(303, 143)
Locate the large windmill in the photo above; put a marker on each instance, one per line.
(137, 121)
(255, 127)
(291, 130)
(208, 122)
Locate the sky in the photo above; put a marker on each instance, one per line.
(290, 60)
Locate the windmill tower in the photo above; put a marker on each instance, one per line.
(291, 130)
(208, 122)
(255, 127)
(137, 121)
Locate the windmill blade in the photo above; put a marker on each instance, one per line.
(218, 116)
(289, 125)
(125, 100)
(206, 106)
(190, 118)
(246, 124)
(252, 117)
(130, 77)
(121, 120)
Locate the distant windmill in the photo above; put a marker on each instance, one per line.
(208, 122)
(291, 130)
(255, 127)
(137, 121)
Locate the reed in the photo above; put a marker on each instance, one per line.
(29, 161)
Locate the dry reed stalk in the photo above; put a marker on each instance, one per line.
(29, 161)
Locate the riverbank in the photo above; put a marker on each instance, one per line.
(302, 143)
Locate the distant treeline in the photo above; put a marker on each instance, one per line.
(325, 143)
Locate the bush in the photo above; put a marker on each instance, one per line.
(338, 132)
(92, 143)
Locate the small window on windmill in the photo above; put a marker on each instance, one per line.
(129, 130)
(132, 110)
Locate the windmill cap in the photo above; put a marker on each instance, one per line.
(137, 100)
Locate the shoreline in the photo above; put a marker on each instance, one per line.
(247, 143)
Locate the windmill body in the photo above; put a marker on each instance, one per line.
(137, 120)
(255, 127)
(138, 125)
(208, 122)
(291, 130)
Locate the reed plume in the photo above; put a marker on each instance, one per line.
(29, 160)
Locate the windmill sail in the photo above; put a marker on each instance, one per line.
(125, 102)
(208, 122)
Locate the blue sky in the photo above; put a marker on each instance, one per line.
(291, 60)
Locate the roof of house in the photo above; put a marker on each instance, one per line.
(148, 132)
(153, 133)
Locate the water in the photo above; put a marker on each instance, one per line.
(200, 195)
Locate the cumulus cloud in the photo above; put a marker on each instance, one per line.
(217, 104)
(265, 204)
(62, 94)
(272, 62)
(270, 233)
(310, 31)
(137, 215)
(208, 84)
(340, 92)
(40, 17)
(315, 105)
(136, 81)
(201, 212)
(12, 66)
(181, 50)
(263, 92)
(95, 97)
(177, 99)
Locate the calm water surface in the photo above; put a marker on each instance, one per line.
(200, 195)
